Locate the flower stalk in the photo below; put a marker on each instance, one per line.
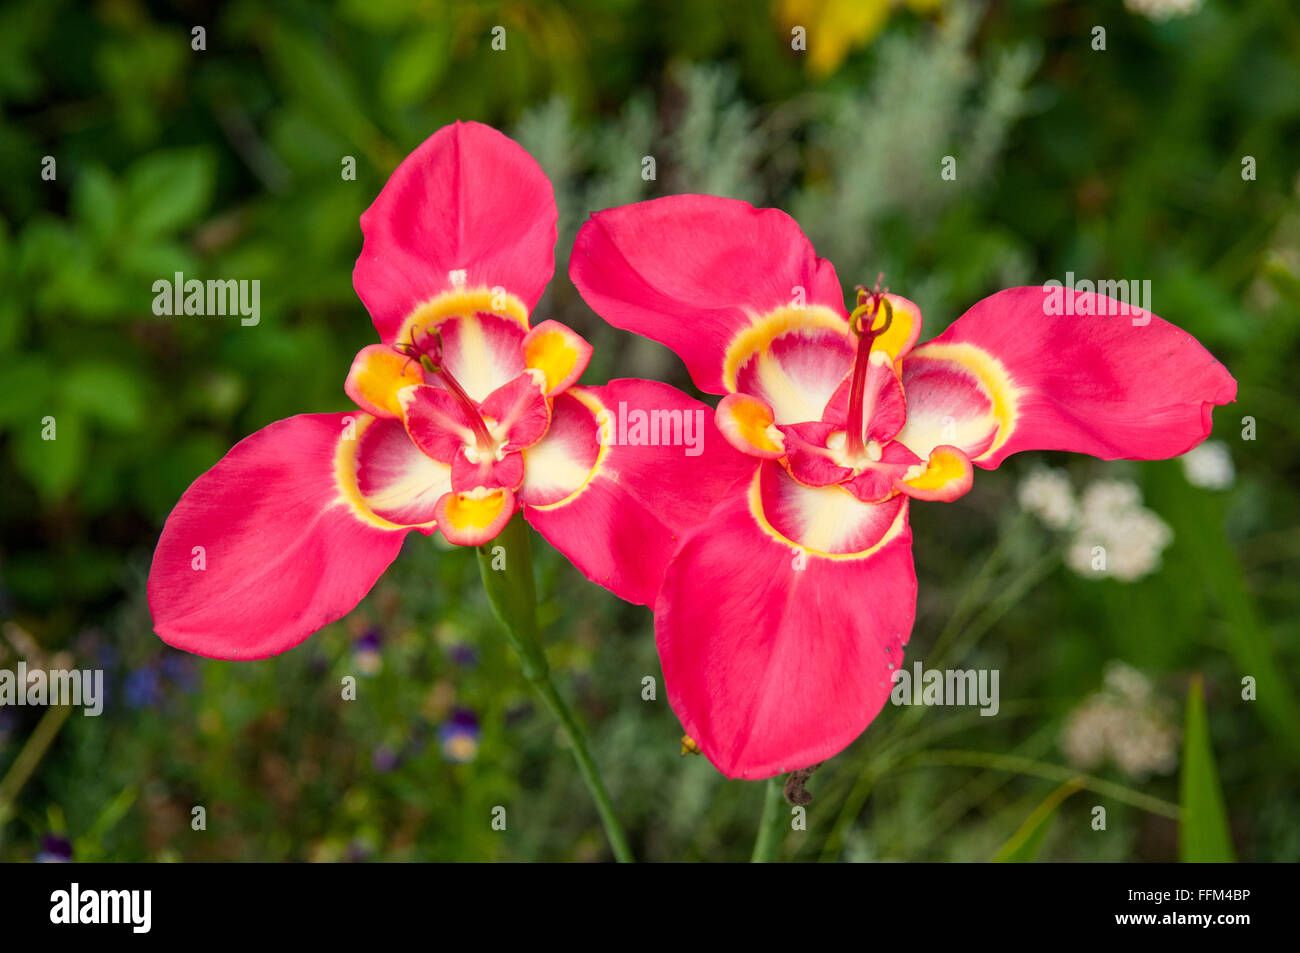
(771, 825)
(513, 594)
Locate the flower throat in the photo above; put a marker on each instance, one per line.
(429, 356)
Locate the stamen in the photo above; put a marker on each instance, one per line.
(432, 362)
(861, 321)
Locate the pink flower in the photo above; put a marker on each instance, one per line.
(782, 617)
(467, 414)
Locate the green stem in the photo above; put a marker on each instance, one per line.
(771, 826)
(33, 751)
(506, 565)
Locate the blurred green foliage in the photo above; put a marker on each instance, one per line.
(226, 162)
(1204, 836)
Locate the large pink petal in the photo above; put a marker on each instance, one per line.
(1010, 375)
(470, 200)
(274, 541)
(616, 510)
(776, 656)
(694, 271)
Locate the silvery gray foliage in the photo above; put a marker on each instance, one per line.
(841, 160)
(881, 146)
(715, 142)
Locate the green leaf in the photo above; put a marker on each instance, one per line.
(383, 17)
(90, 846)
(11, 323)
(152, 260)
(53, 465)
(1203, 835)
(1024, 844)
(1198, 520)
(42, 245)
(168, 190)
(323, 84)
(158, 483)
(26, 378)
(96, 202)
(6, 246)
(415, 67)
(109, 393)
(1278, 273)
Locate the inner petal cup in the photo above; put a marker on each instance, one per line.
(793, 360)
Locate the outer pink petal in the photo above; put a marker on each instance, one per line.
(283, 552)
(617, 510)
(467, 199)
(691, 270)
(775, 658)
(1119, 386)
